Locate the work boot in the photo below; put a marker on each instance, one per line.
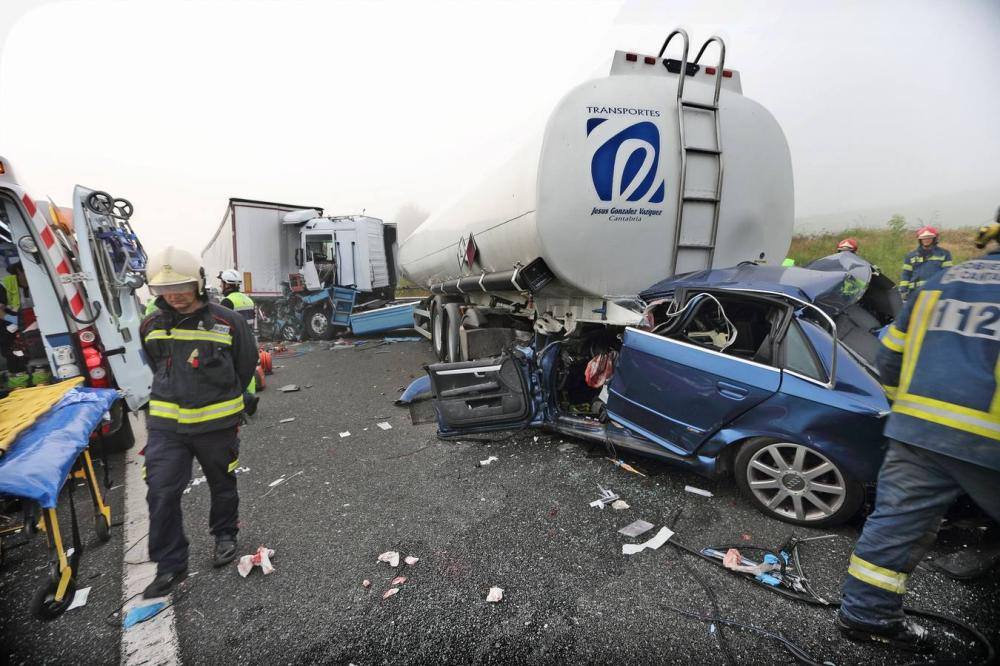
(907, 635)
(225, 551)
(164, 583)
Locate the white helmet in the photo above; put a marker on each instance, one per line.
(173, 270)
(229, 276)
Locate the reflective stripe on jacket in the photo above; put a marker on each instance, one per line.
(920, 265)
(940, 363)
(202, 363)
(241, 303)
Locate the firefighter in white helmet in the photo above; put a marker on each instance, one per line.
(233, 298)
(203, 356)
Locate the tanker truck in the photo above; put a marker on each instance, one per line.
(663, 167)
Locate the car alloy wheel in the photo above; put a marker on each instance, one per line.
(795, 482)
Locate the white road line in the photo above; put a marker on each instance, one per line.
(153, 641)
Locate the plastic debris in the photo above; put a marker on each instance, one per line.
(391, 557)
(619, 505)
(289, 388)
(495, 595)
(238, 470)
(142, 613)
(261, 558)
(288, 420)
(398, 580)
(698, 491)
(390, 592)
(628, 468)
(636, 528)
(607, 497)
(195, 482)
(346, 433)
(276, 482)
(80, 598)
(411, 560)
(491, 459)
(733, 560)
(366, 583)
(384, 425)
(658, 540)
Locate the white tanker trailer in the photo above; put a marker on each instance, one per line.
(636, 177)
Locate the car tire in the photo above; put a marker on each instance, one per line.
(439, 330)
(452, 342)
(796, 483)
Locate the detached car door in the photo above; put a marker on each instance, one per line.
(478, 396)
(677, 394)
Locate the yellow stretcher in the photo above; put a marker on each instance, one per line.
(20, 409)
(55, 595)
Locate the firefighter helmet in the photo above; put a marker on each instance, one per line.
(988, 232)
(848, 244)
(172, 270)
(927, 231)
(229, 276)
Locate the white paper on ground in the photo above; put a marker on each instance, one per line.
(390, 557)
(288, 420)
(276, 482)
(80, 599)
(619, 505)
(385, 425)
(658, 540)
(636, 528)
(698, 491)
(346, 433)
(495, 595)
(411, 560)
(484, 463)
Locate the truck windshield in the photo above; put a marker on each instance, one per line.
(319, 247)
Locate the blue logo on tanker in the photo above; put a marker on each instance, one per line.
(624, 167)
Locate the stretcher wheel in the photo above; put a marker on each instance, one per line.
(102, 528)
(44, 605)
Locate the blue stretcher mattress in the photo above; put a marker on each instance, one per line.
(37, 462)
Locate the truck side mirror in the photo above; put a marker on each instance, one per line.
(299, 255)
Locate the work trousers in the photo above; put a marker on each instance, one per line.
(168, 471)
(915, 489)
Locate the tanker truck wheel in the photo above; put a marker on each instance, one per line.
(452, 340)
(438, 330)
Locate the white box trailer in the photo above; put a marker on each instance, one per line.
(635, 177)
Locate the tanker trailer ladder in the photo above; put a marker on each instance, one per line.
(699, 252)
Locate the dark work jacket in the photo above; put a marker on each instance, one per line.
(201, 363)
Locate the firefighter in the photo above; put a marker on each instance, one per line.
(848, 245)
(924, 262)
(939, 364)
(233, 298)
(203, 355)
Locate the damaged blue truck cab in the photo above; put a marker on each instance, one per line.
(734, 372)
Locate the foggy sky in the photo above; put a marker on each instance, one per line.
(384, 106)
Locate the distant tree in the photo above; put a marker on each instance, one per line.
(897, 224)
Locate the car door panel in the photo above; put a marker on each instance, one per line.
(681, 393)
(490, 394)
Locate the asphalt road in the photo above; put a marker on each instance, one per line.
(521, 523)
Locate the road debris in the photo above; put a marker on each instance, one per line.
(398, 580)
(698, 491)
(636, 528)
(289, 388)
(288, 420)
(261, 558)
(566, 448)
(241, 470)
(619, 505)
(346, 433)
(658, 540)
(390, 592)
(628, 468)
(195, 482)
(142, 613)
(495, 595)
(277, 482)
(411, 560)
(366, 583)
(80, 598)
(391, 557)
(384, 425)
(607, 497)
(484, 463)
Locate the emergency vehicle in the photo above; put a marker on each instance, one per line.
(82, 266)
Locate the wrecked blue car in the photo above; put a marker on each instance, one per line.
(728, 372)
